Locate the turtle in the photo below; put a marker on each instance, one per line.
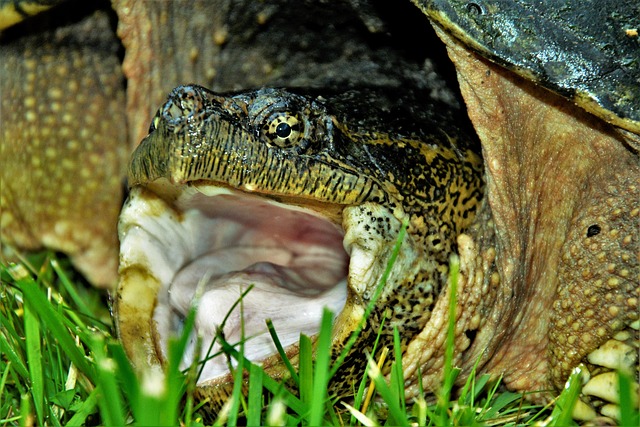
(550, 269)
(564, 308)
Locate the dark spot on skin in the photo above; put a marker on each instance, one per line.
(593, 230)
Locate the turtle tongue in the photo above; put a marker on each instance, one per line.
(270, 289)
(268, 297)
(308, 276)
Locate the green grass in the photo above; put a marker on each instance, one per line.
(62, 365)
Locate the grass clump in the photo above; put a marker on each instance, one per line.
(62, 365)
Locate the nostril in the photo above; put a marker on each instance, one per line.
(190, 100)
(172, 111)
(185, 106)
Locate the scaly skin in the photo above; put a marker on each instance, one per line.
(92, 82)
(563, 189)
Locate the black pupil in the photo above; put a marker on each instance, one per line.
(283, 130)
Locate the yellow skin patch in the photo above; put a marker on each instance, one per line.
(10, 15)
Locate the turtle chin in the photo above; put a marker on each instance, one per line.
(211, 246)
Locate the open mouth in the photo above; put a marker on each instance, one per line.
(212, 245)
(219, 205)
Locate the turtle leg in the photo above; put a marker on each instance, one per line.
(64, 141)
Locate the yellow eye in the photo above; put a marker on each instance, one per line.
(285, 130)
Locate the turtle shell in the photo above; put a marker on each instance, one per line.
(587, 51)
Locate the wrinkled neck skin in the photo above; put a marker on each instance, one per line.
(558, 259)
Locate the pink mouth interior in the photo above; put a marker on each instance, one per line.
(293, 258)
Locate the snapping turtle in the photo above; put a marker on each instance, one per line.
(550, 269)
(81, 81)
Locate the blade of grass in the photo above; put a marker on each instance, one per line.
(374, 299)
(629, 414)
(362, 418)
(70, 289)
(449, 375)
(421, 409)
(254, 397)
(9, 351)
(126, 374)
(472, 386)
(305, 366)
(321, 374)
(110, 398)
(503, 400)
(34, 358)
(191, 406)
(454, 268)
(86, 408)
(332, 415)
(363, 382)
(281, 352)
(236, 394)
(277, 412)
(55, 325)
(157, 400)
(397, 416)
(3, 380)
(372, 385)
(276, 388)
(25, 411)
(10, 319)
(175, 378)
(222, 324)
(397, 377)
(153, 403)
(563, 409)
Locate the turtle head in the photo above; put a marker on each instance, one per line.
(292, 202)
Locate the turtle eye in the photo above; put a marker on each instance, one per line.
(284, 130)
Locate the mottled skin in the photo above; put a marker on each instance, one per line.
(543, 287)
(61, 94)
(563, 191)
